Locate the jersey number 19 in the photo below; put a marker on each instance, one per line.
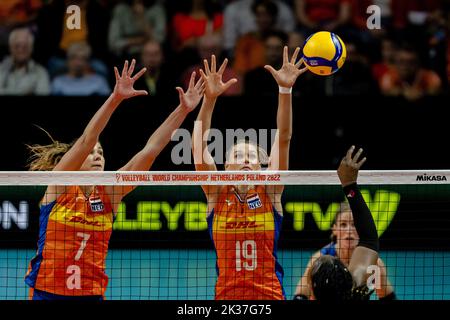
(246, 249)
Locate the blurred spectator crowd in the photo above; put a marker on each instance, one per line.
(40, 55)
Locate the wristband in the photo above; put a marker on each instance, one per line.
(284, 90)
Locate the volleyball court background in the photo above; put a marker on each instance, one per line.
(161, 249)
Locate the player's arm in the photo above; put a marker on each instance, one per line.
(123, 89)
(144, 159)
(285, 78)
(74, 158)
(366, 252)
(302, 292)
(214, 87)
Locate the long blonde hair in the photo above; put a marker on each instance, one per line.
(46, 157)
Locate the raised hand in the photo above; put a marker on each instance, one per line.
(191, 98)
(349, 167)
(288, 73)
(214, 86)
(124, 82)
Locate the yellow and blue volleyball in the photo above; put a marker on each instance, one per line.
(324, 53)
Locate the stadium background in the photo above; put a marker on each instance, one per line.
(397, 133)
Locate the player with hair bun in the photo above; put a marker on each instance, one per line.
(244, 221)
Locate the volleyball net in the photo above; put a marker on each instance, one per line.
(160, 247)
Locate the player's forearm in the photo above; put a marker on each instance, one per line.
(303, 288)
(203, 123)
(99, 121)
(284, 118)
(161, 137)
(363, 220)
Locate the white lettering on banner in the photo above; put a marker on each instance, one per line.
(74, 19)
(374, 20)
(10, 214)
(216, 177)
(374, 280)
(181, 153)
(215, 140)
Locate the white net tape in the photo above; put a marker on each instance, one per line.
(157, 178)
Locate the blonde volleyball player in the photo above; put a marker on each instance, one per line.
(76, 221)
(344, 240)
(329, 279)
(244, 221)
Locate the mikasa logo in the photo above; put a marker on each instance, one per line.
(426, 177)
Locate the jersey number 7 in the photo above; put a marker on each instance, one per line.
(74, 280)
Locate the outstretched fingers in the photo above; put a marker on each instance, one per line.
(201, 90)
(229, 83)
(357, 155)
(295, 55)
(116, 72)
(213, 64)
(200, 83)
(351, 160)
(202, 74)
(131, 69)
(348, 156)
(270, 69)
(206, 64)
(140, 93)
(223, 67)
(125, 69)
(300, 62)
(192, 80)
(285, 55)
(359, 164)
(180, 92)
(139, 74)
(303, 70)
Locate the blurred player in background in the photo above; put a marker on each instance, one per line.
(344, 240)
(329, 279)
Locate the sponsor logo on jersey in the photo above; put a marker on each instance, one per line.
(351, 194)
(78, 219)
(240, 225)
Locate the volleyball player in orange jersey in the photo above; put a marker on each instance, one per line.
(244, 221)
(76, 221)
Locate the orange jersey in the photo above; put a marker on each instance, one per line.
(73, 243)
(245, 234)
